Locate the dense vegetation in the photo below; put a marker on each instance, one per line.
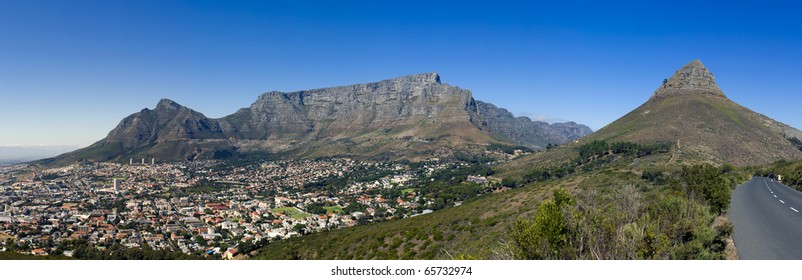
(82, 250)
(791, 172)
(658, 217)
(707, 182)
(598, 148)
(119, 252)
(591, 156)
(510, 149)
(17, 256)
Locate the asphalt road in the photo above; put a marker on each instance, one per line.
(768, 224)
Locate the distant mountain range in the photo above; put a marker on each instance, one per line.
(409, 117)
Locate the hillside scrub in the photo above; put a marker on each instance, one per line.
(592, 156)
(791, 172)
(597, 148)
(624, 217)
(706, 180)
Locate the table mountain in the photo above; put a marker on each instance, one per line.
(405, 117)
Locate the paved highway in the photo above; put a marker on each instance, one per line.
(768, 224)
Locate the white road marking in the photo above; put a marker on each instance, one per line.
(775, 196)
(781, 201)
(792, 208)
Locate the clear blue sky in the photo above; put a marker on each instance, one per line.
(71, 70)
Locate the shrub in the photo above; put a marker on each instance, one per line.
(707, 181)
(546, 235)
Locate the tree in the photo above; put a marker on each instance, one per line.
(11, 245)
(200, 240)
(562, 197)
(509, 182)
(708, 182)
(300, 228)
(594, 148)
(546, 235)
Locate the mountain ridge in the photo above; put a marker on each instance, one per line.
(414, 113)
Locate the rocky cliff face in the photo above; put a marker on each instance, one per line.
(331, 112)
(693, 78)
(391, 117)
(524, 131)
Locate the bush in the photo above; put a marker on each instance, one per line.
(707, 181)
(509, 182)
(546, 235)
(595, 148)
(653, 176)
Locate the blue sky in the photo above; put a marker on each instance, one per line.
(71, 70)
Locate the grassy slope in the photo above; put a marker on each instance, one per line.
(715, 128)
(703, 129)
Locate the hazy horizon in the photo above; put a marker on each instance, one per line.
(19, 154)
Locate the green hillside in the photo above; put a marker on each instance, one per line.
(660, 209)
(714, 128)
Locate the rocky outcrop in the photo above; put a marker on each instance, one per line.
(693, 78)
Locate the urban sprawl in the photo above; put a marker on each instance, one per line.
(208, 209)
